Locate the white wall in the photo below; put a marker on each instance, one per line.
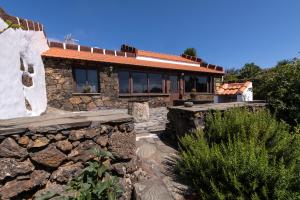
(247, 94)
(166, 61)
(30, 44)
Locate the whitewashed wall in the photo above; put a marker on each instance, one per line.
(247, 94)
(29, 44)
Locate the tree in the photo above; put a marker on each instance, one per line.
(231, 75)
(249, 71)
(10, 25)
(190, 52)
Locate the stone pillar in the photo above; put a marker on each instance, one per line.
(140, 111)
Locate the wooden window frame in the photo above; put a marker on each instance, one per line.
(208, 83)
(86, 74)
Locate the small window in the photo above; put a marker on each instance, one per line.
(123, 82)
(139, 82)
(87, 80)
(155, 83)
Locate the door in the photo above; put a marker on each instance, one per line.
(173, 88)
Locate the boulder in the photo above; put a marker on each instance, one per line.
(39, 142)
(76, 135)
(67, 172)
(27, 79)
(10, 149)
(24, 140)
(122, 145)
(91, 133)
(59, 136)
(84, 151)
(10, 167)
(141, 111)
(102, 140)
(64, 145)
(56, 190)
(49, 157)
(12, 189)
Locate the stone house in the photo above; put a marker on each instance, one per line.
(75, 77)
(234, 92)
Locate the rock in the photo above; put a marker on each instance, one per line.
(152, 189)
(123, 168)
(24, 140)
(27, 79)
(122, 145)
(91, 106)
(86, 99)
(30, 68)
(10, 149)
(66, 172)
(49, 157)
(39, 142)
(146, 150)
(12, 189)
(75, 144)
(75, 100)
(129, 127)
(27, 105)
(84, 151)
(56, 190)
(140, 111)
(188, 104)
(122, 128)
(91, 133)
(127, 188)
(10, 167)
(102, 140)
(76, 135)
(59, 136)
(105, 129)
(64, 145)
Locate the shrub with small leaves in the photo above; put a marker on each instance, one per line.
(241, 155)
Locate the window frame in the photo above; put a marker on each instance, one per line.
(131, 86)
(86, 78)
(195, 76)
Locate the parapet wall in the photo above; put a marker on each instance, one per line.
(41, 154)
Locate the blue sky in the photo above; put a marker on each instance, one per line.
(229, 33)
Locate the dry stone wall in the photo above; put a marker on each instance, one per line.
(34, 161)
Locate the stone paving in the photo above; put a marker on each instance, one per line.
(155, 156)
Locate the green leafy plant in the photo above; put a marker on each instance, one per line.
(241, 155)
(190, 52)
(94, 182)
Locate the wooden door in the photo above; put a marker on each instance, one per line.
(173, 88)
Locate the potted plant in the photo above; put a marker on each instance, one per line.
(193, 94)
(87, 89)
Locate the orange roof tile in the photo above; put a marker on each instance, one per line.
(164, 56)
(232, 88)
(97, 57)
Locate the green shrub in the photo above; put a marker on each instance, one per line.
(241, 155)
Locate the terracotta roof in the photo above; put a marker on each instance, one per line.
(23, 23)
(232, 88)
(164, 56)
(98, 56)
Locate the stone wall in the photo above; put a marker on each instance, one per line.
(37, 159)
(183, 120)
(61, 95)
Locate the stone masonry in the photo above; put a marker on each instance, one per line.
(61, 95)
(41, 154)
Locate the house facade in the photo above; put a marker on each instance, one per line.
(234, 92)
(77, 78)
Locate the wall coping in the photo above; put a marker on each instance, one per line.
(56, 122)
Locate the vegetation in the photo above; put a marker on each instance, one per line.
(10, 25)
(94, 182)
(279, 86)
(242, 155)
(190, 52)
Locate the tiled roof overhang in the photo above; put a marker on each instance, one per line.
(55, 52)
(232, 88)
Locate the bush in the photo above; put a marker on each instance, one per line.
(241, 155)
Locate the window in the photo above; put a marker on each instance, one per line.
(195, 82)
(173, 84)
(189, 83)
(201, 84)
(155, 83)
(123, 82)
(140, 83)
(86, 80)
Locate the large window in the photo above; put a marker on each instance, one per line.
(140, 83)
(87, 80)
(123, 81)
(155, 83)
(199, 83)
